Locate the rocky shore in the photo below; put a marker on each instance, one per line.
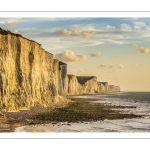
(76, 111)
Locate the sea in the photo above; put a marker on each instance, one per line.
(139, 99)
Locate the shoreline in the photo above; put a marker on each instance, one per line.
(79, 110)
(11, 120)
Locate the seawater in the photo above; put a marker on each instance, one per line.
(139, 99)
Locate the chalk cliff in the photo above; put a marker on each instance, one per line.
(89, 83)
(113, 88)
(59, 76)
(103, 87)
(28, 74)
(73, 86)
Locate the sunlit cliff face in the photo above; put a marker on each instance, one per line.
(116, 50)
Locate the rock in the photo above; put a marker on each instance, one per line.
(73, 86)
(27, 76)
(87, 85)
(113, 88)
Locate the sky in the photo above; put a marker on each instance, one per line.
(115, 50)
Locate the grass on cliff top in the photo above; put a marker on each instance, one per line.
(82, 112)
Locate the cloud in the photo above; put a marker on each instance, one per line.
(120, 66)
(76, 32)
(144, 50)
(134, 45)
(135, 65)
(73, 32)
(102, 65)
(139, 24)
(111, 66)
(96, 54)
(88, 35)
(117, 56)
(125, 27)
(116, 67)
(108, 27)
(70, 56)
(16, 32)
(10, 24)
(113, 70)
(114, 42)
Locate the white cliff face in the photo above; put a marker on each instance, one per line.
(87, 85)
(103, 87)
(29, 75)
(113, 88)
(90, 86)
(81, 85)
(26, 74)
(73, 86)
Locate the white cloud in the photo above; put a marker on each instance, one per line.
(102, 65)
(134, 45)
(73, 32)
(113, 70)
(120, 66)
(116, 67)
(135, 65)
(117, 56)
(139, 25)
(70, 56)
(10, 24)
(111, 66)
(114, 41)
(88, 35)
(125, 27)
(52, 43)
(108, 27)
(95, 33)
(144, 50)
(96, 54)
(76, 32)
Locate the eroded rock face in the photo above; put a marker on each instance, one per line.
(89, 84)
(73, 86)
(59, 75)
(62, 78)
(26, 74)
(113, 88)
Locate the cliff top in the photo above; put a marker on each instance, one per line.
(83, 79)
(62, 63)
(103, 82)
(4, 32)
